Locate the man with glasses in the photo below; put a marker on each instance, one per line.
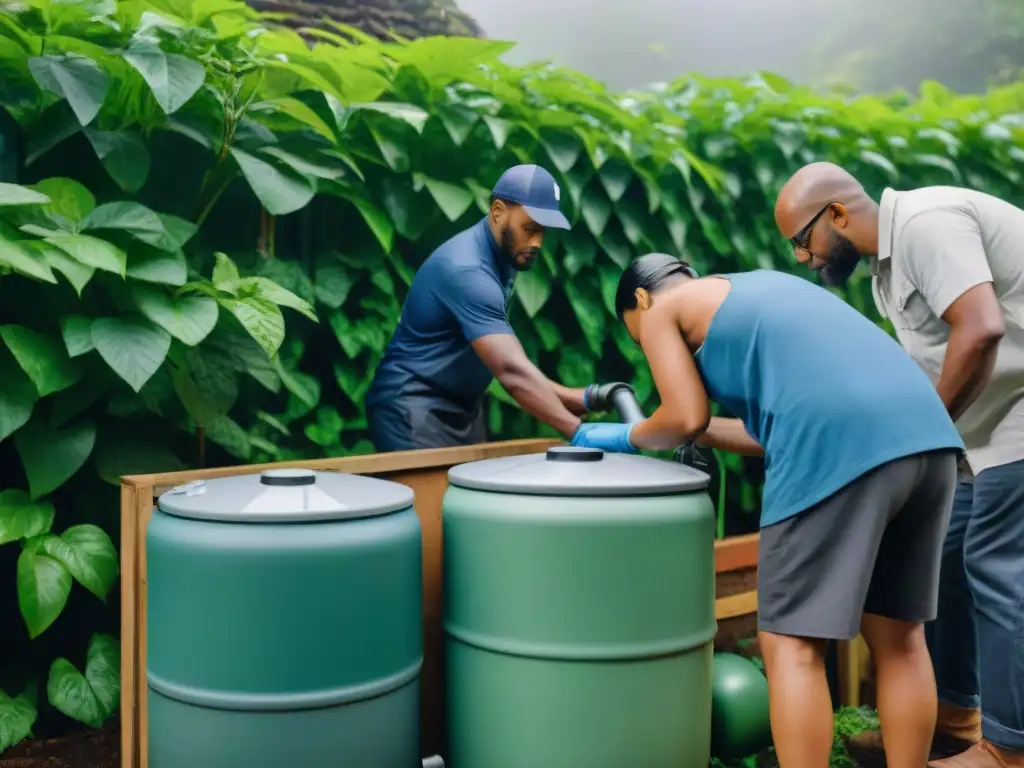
(947, 268)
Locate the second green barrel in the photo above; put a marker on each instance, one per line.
(284, 623)
(579, 612)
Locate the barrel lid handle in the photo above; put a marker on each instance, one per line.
(569, 453)
(288, 477)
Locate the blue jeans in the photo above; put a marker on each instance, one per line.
(977, 640)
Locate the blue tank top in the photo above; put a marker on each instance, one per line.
(827, 393)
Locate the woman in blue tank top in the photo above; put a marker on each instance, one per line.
(860, 468)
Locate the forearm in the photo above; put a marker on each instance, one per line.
(662, 432)
(572, 398)
(730, 435)
(536, 395)
(966, 369)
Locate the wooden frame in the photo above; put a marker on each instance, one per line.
(426, 472)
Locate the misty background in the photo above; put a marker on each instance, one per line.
(872, 45)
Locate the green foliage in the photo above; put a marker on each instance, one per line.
(92, 697)
(191, 171)
(848, 721)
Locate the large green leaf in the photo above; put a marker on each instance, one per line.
(22, 518)
(262, 288)
(70, 200)
(279, 189)
(91, 698)
(92, 252)
(585, 302)
(17, 395)
(155, 266)
(73, 77)
(43, 588)
(25, 261)
(132, 346)
(261, 318)
(205, 379)
(17, 716)
(595, 209)
(88, 554)
(533, 290)
(52, 456)
(15, 194)
(333, 283)
(458, 121)
(188, 319)
(76, 273)
(452, 199)
(407, 113)
(173, 78)
(43, 357)
(226, 433)
(126, 216)
(124, 156)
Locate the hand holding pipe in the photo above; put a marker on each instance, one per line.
(615, 395)
(619, 396)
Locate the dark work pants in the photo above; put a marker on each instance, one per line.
(977, 641)
(423, 424)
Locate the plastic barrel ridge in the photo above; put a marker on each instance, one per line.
(579, 612)
(284, 623)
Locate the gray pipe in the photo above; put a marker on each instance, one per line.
(624, 401)
(433, 762)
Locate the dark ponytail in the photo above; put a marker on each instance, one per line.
(650, 272)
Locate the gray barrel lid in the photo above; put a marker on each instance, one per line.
(568, 471)
(286, 496)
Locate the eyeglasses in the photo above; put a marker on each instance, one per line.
(802, 239)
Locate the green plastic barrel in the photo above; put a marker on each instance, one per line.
(284, 623)
(579, 612)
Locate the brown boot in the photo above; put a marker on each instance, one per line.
(957, 730)
(984, 754)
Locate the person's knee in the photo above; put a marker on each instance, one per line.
(791, 651)
(887, 638)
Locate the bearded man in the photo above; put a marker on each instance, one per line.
(454, 337)
(947, 267)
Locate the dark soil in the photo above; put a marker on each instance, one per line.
(82, 749)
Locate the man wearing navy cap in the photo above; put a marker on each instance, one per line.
(454, 336)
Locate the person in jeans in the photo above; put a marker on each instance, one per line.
(947, 268)
(860, 468)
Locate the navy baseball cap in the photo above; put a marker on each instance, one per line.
(536, 190)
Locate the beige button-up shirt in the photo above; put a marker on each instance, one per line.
(934, 244)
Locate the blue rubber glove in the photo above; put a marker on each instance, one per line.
(613, 438)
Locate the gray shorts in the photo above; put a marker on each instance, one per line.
(874, 546)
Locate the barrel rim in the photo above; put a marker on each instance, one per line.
(332, 497)
(615, 476)
(236, 701)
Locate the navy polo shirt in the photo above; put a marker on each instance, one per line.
(429, 386)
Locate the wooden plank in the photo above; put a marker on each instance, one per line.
(736, 605)
(736, 553)
(145, 514)
(129, 645)
(429, 488)
(852, 662)
(371, 464)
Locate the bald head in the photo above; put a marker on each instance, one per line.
(812, 188)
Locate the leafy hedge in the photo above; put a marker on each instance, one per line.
(189, 169)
